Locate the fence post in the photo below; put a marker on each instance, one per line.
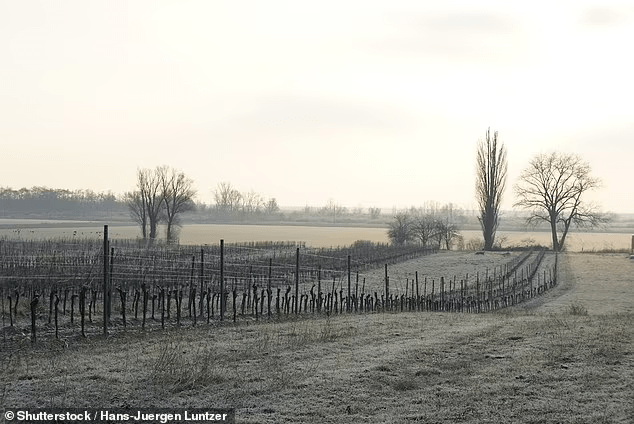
(222, 280)
(82, 309)
(348, 309)
(356, 293)
(319, 295)
(425, 304)
(442, 293)
(296, 300)
(478, 291)
(387, 285)
(202, 278)
(105, 280)
(268, 289)
(34, 302)
(110, 274)
(417, 296)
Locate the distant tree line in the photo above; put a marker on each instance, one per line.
(58, 202)
(230, 205)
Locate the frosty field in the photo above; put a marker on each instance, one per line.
(566, 357)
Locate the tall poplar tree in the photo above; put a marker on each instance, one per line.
(491, 171)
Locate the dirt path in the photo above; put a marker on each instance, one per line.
(600, 283)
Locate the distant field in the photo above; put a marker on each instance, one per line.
(316, 236)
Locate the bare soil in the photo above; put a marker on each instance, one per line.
(566, 357)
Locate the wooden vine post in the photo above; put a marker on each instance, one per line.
(417, 304)
(319, 295)
(72, 307)
(356, 293)
(82, 309)
(105, 281)
(162, 305)
(268, 287)
(442, 293)
(235, 295)
(222, 280)
(348, 305)
(50, 305)
(190, 299)
(387, 285)
(296, 299)
(56, 313)
(110, 274)
(202, 278)
(145, 301)
(34, 302)
(122, 296)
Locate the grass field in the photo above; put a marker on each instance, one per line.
(567, 357)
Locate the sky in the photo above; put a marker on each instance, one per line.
(365, 103)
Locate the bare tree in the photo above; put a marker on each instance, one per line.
(162, 194)
(178, 197)
(552, 188)
(151, 192)
(271, 207)
(424, 228)
(374, 212)
(400, 229)
(491, 171)
(252, 202)
(334, 209)
(448, 233)
(136, 205)
(227, 198)
(137, 202)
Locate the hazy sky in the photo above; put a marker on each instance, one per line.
(366, 103)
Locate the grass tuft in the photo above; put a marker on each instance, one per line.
(181, 370)
(404, 384)
(577, 309)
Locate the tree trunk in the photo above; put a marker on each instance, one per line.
(144, 228)
(153, 228)
(553, 229)
(168, 231)
(563, 237)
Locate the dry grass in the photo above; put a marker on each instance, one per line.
(535, 364)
